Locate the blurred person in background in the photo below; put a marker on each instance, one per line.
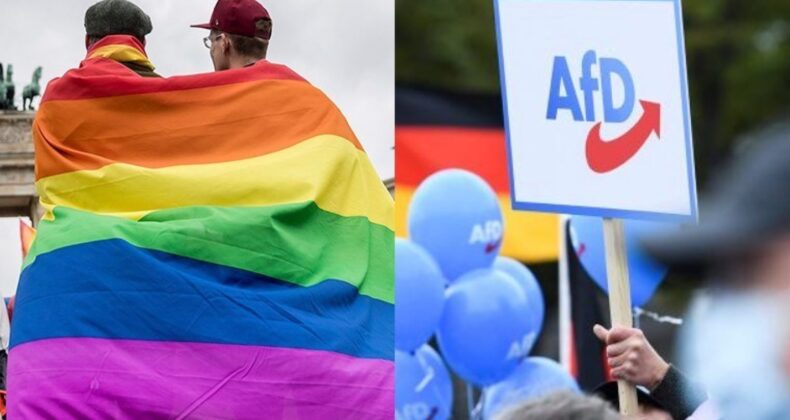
(737, 338)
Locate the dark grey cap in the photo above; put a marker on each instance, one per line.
(750, 205)
(117, 17)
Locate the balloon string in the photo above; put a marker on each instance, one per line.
(638, 312)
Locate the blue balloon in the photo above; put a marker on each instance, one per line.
(645, 273)
(456, 217)
(419, 295)
(535, 377)
(524, 276)
(487, 327)
(423, 388)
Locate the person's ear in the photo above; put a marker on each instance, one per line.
(226, 44)
(87, 42)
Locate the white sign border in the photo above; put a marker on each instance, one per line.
(603, 211)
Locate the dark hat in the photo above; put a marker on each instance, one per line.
(239, 17)
(750, 205)
(117, 17)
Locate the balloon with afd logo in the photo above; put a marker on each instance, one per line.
(534, 377)
(524, 276)
(419, 293)
(487, 326)
(456, 217)
(645, 273)
(423, 389)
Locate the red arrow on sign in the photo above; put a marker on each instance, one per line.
(605, 156)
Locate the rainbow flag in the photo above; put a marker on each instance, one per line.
(214, 246)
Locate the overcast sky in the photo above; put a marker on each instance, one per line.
(345, 47)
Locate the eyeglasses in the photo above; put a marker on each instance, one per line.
(207, 41)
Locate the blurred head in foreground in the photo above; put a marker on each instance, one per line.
(737, 339)
(563, 405)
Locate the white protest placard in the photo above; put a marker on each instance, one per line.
(596, 107)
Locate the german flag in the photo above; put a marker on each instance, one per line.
(588, 362)
(438, 130)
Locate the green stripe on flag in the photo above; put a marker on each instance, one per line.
(298, 243)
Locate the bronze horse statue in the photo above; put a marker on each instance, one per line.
(7, 88)
(2, 88)
(31, 91)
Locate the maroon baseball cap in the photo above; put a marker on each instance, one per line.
(238, 17)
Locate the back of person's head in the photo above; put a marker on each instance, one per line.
(560, 406)
(252, 47)
(116, 17)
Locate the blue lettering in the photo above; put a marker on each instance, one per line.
(588, 84)
(610, 112)
(561, 78)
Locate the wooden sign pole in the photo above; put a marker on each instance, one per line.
(619, 298)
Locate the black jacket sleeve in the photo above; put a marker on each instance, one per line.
(679, 395)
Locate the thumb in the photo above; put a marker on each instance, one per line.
(600, 332)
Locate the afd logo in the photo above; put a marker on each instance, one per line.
(602, 155)
(489, 233)
(416, 411)
(520, 349)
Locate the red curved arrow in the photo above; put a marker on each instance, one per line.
(492, 246)
(604, 156)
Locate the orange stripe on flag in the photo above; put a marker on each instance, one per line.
(200, 126)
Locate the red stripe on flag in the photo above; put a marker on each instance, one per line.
(422, 150)
(129, 41)
(574, 362)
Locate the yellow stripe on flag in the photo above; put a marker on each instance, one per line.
(305, 172)
(124, 54)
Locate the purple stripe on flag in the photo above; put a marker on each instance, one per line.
(104, 378)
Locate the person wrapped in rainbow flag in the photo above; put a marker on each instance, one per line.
(213, 246)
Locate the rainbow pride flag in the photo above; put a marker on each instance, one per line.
(215, 246)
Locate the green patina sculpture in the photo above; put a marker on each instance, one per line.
(7, 88)
(2, 88)
(31, 91)
(10, 87)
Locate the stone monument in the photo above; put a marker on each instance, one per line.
(17, 176)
